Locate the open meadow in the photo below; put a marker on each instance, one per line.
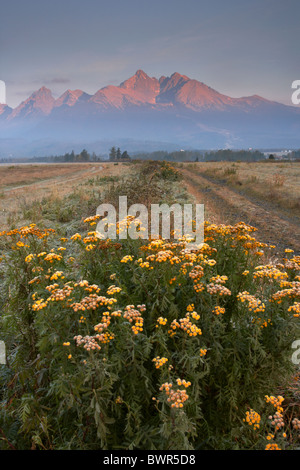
(22, 185)
(264, 194)
(142, 343)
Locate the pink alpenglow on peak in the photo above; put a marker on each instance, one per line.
(40, 102)
(167, 110)
(70, 98)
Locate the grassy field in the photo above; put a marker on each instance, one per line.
(264, 194)
(277, 182)
(22, 185)
(143, 344)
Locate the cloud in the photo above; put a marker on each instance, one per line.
(57, 80)
(52, 81)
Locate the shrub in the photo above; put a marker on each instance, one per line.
(141, 345)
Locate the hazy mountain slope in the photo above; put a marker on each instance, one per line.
(173, 109)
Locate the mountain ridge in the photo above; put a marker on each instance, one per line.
(137, 90)
(171, 108)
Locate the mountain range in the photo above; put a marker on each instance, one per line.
(169, 111)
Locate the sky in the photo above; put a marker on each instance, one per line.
(238, 47)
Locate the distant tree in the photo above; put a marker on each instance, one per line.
(118, 153)
(125, 156)
(84, 156)
(271, 157)
(234, 155)
(112, 154)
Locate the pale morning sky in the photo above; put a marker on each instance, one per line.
(238, 47)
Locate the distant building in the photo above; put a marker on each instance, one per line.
(2, 92)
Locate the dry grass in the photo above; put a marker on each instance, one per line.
(14, 175)
(277, 182)
(24, 184)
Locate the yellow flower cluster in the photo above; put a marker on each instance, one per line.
(90, 247)
(56, 295)
(210, 262)
(199, 287)
(113, 290)
(183, 382)
(159, 361)
(292, 292)
(272, 446)
(190, 308)
(35, 279)
(76, 236)
(218, 310)
(270, 272)
(161, 321)
(126, 259)
(105, 322)
(194, 315)
(277, 420)
(116, 313)
(91, 238)
(296, 424)
(144, 264)
(189, 327)
(203, 352)
(52, 257)
(275, 401)
(176, 397)
(186, 325)
(296, 309)
(92, 302)
(89, 342)
(26, 231)
(56, 275)
(130, 221)
(217, 289)
(88, 287)
(219, 279)
(293, 263)
(134, 315)
(59, 294)
(92, 220)
(39, 305)
(252, 418)
(163, 256)
(261, 322)
(29, 258)
(254, 305)
(196, 273)
(105, 337)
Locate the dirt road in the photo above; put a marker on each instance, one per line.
(228, 206)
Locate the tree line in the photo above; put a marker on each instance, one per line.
(116, 155)
(202, 155)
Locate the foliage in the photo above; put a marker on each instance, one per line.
(136, 344)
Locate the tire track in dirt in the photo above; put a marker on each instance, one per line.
(227, 206)
(54, 181)
(13, 197)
